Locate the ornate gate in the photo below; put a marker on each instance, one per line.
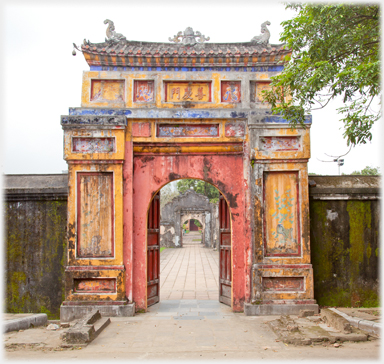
(152, 113)
(225, 274)
(153, 252)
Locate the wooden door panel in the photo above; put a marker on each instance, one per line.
(153, 252)
(152, 238)
(225, 264)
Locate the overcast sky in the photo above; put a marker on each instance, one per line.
(41, 79)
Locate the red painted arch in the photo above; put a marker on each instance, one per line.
(152, 172)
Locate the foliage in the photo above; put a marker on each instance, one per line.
(197, 223)
(199, 186)
(368, 171)
(335, 53)
(167, 194)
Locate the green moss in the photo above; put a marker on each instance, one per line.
(329, 256)
(14, 250)
(369, 251)
(37, 227)
(335, 297)
(257, 302)
(369, 298)
(359, 222)
(14, 301)
(361, 297)
(377, 251)
(322, 247)
(51, 316)
(359, 219)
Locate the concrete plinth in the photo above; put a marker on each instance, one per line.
(278, 309)
(72, 312)
(25, 321)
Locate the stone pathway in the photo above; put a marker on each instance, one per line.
(191, 272)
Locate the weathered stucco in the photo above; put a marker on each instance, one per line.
(225, 172)
(189, 205)
(345, 252)
(188, 112)
(345, 226)
(35, 211)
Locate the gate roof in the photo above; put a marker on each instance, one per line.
(119, 52)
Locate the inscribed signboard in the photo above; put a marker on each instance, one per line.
(187, 130)
(187, 91)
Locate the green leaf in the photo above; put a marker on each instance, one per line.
(335, 52)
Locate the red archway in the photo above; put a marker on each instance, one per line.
(150, 173)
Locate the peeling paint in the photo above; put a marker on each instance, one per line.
(204, 125)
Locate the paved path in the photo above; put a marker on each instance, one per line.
(191, 272)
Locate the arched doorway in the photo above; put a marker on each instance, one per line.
(152, 171)
(193, 225)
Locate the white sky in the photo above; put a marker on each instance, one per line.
(41, 79)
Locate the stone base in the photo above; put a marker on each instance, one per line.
(25, 322)
(278, 309)
(72, 312)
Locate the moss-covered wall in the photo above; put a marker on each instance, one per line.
(345, 252)
(35, 236)
(344, 242)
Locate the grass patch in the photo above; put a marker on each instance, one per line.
(162, 248)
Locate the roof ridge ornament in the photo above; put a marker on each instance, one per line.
(111, 34)
(188, 37)
(263, 38)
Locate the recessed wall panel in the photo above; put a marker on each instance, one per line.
(95, 218)
(281, 216)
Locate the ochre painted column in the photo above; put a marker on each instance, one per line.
(282, 273)
(128, 210)
(94, 273)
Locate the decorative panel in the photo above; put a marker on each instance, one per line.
(107, 90)
(234, 130)
(187, 130)
(230, 91)
(95, 215)
(141, 129)
(93, 145)
(95, 285)
(281, 217)
(143, 91)
(280, 143)
(282, 284)
(256, 90)
(187, 91)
